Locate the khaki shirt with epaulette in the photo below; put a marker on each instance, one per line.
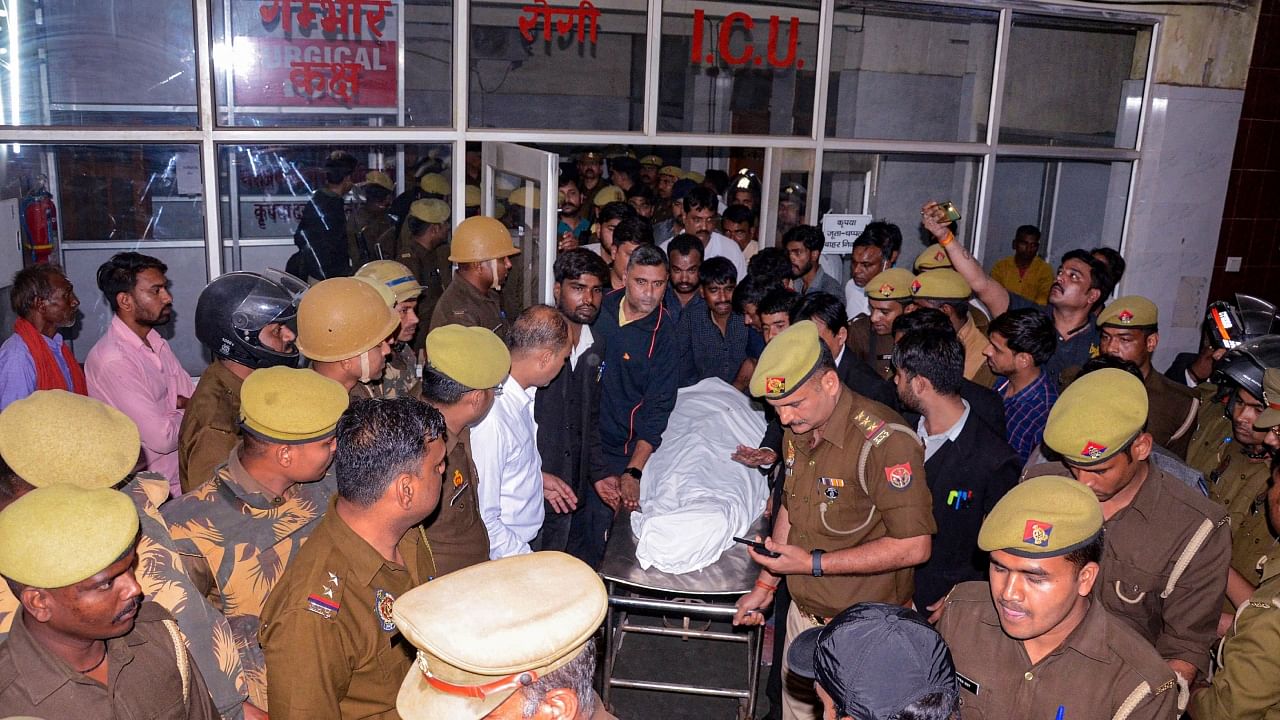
(455, 533)
(1246, 684)
(236, 538)
(1103, 670)
(463, 304)
(210, 425)
(332, 648)
(829, 510)
(1173, 413)
(432, 269)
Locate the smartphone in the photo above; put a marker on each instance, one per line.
(949, 212)
(758, 546)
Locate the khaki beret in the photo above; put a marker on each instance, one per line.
(1096, 417)
(526, 196)
(591, 155)
(1270, 415)
(291, 406)
(891, 284)
(471, 356)
(57, 536)
(471, 196)
(940, 284)
(1130, 311)
(1045, 516)
(672, 171)
(651, 161)
(608, 194)
(94, 445)
(933, 257)
(435, 183)
(379, 178)
(498, 625)
(393, 276)
(787, 361)
(430, 210)
(695, 176)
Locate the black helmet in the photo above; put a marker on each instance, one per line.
(1243, 366)
(1230, 325)
(235, 307)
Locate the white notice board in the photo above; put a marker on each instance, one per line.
(841, 230)
(10, 241)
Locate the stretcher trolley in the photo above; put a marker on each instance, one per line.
(714, 588)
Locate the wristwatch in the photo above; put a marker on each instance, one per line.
(817, 562)
(633, 472)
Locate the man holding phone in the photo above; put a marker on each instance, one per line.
(852, 525)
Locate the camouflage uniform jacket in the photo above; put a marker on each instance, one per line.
(399, 378)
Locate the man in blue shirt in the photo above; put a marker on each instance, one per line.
(714, 341)
(36, 357)
(1019, 343)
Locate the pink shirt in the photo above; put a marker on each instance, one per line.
(143, 383)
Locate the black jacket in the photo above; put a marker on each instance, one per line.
(567, 411)
(637, 379)
(321, 237)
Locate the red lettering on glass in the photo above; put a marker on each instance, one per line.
(578, 18)
(749, 54)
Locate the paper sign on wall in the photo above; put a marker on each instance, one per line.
(841, 230)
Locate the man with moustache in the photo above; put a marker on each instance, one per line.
(684, 252)
(871, 335)
(482, 251)
(35, 357)
(132, 368)
(875, 251)
(700, 210)
(567, 410)
(84, 644)
(590, 167)
(714, 340)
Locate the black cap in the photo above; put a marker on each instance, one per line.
(874, 660)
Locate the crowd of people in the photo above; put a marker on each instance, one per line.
(389, 493)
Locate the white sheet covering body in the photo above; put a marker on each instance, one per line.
(694, 499)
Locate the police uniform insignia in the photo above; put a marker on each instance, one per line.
(940, 255)
(1168, 685)
(775, 385)
(886, 289)
(322, 605)
(1037, 533)
(967, 684)
(831, 486)
(899, 476)
(1093, 351)
(915, 286)
(790, 461)
(1093, 450)
(1125, 316)
(383, 602)
(457, 478)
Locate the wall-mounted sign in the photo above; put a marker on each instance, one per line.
(841, 230)
(336, 53)
(564, 19)
(721, 48)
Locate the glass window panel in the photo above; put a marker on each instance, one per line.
(71, 62)
(110, 199)
(263, 190)
(910, 72)
(747, 70)
(1074, 82)
(560, 66)
(293, 63)
(1075, 205)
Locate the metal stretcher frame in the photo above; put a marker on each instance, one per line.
(733, 575)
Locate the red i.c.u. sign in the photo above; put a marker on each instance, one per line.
(701, 53)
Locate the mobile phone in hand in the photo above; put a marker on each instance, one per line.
(758, 547)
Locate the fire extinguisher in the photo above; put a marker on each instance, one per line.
(39, 224)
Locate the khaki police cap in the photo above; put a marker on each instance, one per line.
(379, 178)
(59, 535)
(591, 156)
(1267, 419)
(291, 406)
(393, 276)
(435, 183)
(941, 284)
(933, 257)
(471, 356)
(1045, 516)
(430, 210)
(695, 176)
(471, 196)
(671, 171)
(481, 238)
(651, 161)
(341, 318)
(787, 361)
(608, 194)
(1130, 311)
(487, 631)
(53, 437)
(1097, 416)
(891, 284)
(525, 196)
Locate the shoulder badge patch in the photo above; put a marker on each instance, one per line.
(899, 476)
(325, 603)
(872, 427)
(383, 602)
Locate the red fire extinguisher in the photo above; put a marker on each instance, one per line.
(39, 224)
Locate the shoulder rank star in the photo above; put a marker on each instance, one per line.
(383, 603)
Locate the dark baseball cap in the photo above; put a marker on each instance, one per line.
(874, 660)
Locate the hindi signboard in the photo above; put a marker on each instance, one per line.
(841, 230)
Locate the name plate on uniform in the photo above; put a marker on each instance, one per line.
(841, 230)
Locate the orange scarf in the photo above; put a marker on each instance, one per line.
(48, 375)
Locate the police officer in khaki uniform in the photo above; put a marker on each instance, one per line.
(551, 605)
(856, 514)
(482, 250)
(371, 233)
(1168, 547)
(96, 446)
(85, 644)
(1269, 418)
(1032, 642)
(1244, 680)
(331, 644)
(401, 375)
(1129, 329)
(243, 319)
(345, 328)
(466, 366)
(871, 336)
(229, 529)
(424, 249)
(943, 289)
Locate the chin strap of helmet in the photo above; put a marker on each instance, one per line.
(365, 374)
(493, 268)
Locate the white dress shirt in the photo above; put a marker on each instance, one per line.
(855, 300)
(509, 471)
(933, 442)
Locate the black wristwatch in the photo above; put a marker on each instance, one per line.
(633, 472)
(817, 562)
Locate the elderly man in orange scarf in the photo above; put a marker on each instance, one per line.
(36, 357)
